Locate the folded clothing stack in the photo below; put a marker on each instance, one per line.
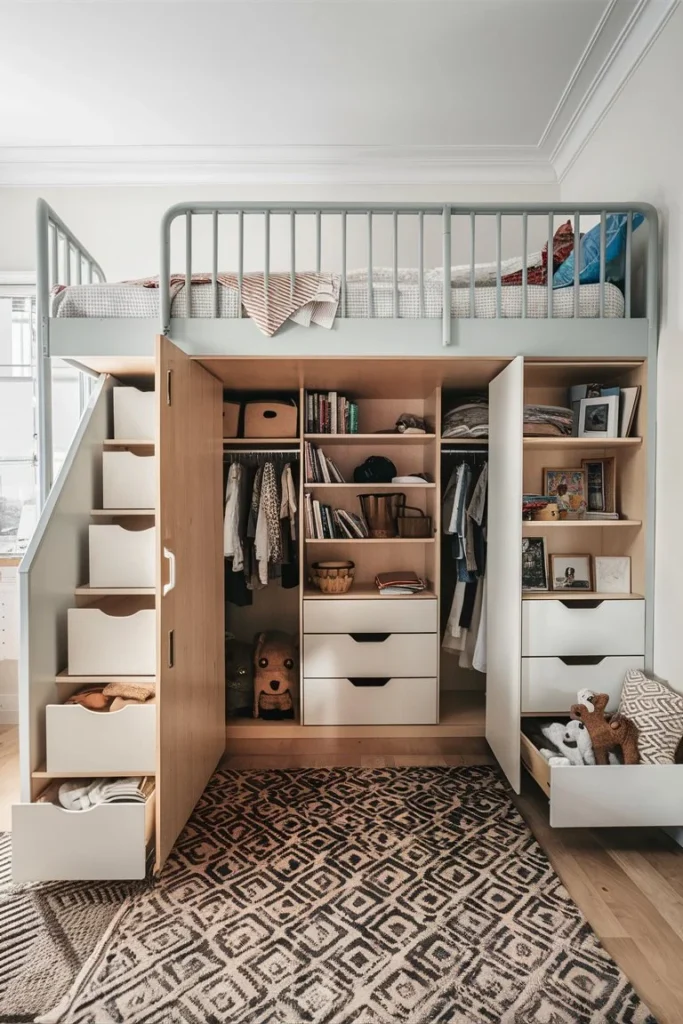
(547, 421)
(402, 582)
(469, 418)
(82, 794)
(113, 696)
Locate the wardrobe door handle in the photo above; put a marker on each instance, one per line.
(369, 638)
(581, 659)
(171, 648)
(168, 587)
(588, 603)
(368, 680)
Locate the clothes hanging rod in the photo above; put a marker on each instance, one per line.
(466, 451)
(262, 451)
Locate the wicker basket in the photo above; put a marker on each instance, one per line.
(333, 577)
(418, 525)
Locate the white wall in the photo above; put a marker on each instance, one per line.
(637, 154)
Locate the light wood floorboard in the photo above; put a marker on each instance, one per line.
(9, 774)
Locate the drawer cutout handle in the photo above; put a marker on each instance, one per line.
(369, 638)
(368, 680)
(581, 659)
(588, 603)
(168, 587)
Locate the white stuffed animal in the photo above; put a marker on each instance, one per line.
(571, 743)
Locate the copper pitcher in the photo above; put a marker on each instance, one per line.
(380, 512)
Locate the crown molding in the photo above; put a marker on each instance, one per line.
(44, 166)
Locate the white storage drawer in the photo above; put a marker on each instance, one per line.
(128, 480)
(108, 841)
(79, 740)
(120, 557)
(551, 685)
(134, 414)
(370, 654)
(552, 628)
(385, 615)
(370, 701)
(118, 645)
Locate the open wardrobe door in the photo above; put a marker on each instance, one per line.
(190, 604)
(504, 569)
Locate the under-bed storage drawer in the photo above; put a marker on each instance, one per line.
(386, 615)
(120, 557)
(79, 740)
(370, 701)
(134, 415)
(119, 645)
(550, 685)
(108, 841)
(559, 627)
(369, 654)
(128, 480)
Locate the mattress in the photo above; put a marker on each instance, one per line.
(125, 300)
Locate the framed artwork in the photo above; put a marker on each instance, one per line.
(613, 574)
(569, 487)
(599, 417)
(570, 572)
(600, 489)
(534, 564)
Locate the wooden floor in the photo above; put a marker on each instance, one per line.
(628, 883)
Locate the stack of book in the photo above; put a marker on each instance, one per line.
(326, 523)
(392, 583)
(330, 413)
(601, 515)
(320, 469)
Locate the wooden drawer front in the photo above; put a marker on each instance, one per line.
(551, 685)
(128, 480)
(134, 415)
(371, 616)
(383, 702)
(121, 558)
(370, 654)
(108, 841)
(78, 740)
(119, 645)
(552, 628)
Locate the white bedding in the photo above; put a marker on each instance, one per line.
(126, 300)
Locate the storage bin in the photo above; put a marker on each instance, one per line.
(369, 654)
(551, 628)
(347, 615)
(550, 685)
(270, 419)
(231, 418)
(121, 557)
(134, 414)
(100, 644)
(128, 480)
(374, 701)
(79, 740)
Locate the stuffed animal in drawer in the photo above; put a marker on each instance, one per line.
(239, 677)
(568, 743)
(607, 734)
(276, 675)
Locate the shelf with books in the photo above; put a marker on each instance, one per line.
(370, 439)
(568, 524)
(577, 443)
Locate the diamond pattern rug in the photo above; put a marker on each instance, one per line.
(354, 896)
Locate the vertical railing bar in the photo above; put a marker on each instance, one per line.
(473, 251)
(628, 265)
(318, 241)
(395, 259)
(549, 266)
(371, 304)
(79, 267)
(54, 257)
(266, 258)
(525, 272)
(67, 261)
(188, 263)
(292, 253)
(577, 264)
(499, 272)
(421, 260)
(603, 233)
(214, 261)
(240, 259)
(446, 227)
(343, 255)
(88, 272)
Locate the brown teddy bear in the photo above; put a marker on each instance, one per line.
(276, 674)
(606, 734)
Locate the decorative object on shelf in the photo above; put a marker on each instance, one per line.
(547, 421)
(569, 744)
(612, 574)
(469, 417)
(617, 733)
(239, 677)
(400, 582)
(534, 564)
(540, 508)
(628, 403)
(408, 423)
(270, 419)
(417, 525)
(113, 696)
(376, 469)
(381, 511)
(577, 393)
(412, 478)
(600, 484)
(570, 572)
(569, 487)
(276, 673)
(330, 413)
(657, 711)
(333, 577)
(599, 417)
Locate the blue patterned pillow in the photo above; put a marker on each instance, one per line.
(589, 253)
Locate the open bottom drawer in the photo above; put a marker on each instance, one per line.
(607, 796)
(108, 841)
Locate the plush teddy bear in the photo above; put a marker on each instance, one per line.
(276, 674)
(239, 677)
(570, 743)
(606, 735)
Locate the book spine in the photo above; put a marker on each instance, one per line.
(332, 400)
(317, 517)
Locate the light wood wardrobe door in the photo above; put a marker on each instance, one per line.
(504, 569)
(190, 619)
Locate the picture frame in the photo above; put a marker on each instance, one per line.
(534, 564)
(569, 487)
(571, 572)
(612, 574)
(599, 417)
(600, 484)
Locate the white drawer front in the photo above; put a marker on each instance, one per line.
(106, 842)
(617, 796)
(552, 628)
(134, 415)
(121, 645)
(78, 740)
(395, 702)
(551, 685)
(128, 480)
(370, 654)
(388, 615)
(121, 558)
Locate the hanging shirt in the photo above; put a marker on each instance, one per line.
(232, 544)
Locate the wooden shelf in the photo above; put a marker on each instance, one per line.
(64, 677)
(370, 488)
(455, 442)
(366, 439)
(41, 773)
(366, 592)
(114, 591)
(577, 595)
(244, 442)
(371, 540)
(568, 524)
(115, 443)
(582, 442)
(114, 513)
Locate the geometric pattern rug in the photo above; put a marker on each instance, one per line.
(353, 896)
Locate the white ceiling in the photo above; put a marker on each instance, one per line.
(414, 90)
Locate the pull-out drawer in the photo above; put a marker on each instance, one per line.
(78, 740)
(370, 654)
(134, 414)
(370, 701)
(617, 796)
(128, 480)
(387, 615)
(109, 841)
(120, 557)
(559, 627)
(118, 645)
(550, 685)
